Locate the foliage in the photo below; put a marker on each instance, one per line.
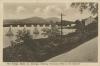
(52, 33)
(80, 25)
(36, 31)
(10, 33)
(23, 36)
(54, 30)
(46, 31)
(43, 49)
(92, 7)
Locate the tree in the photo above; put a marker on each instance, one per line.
(54, 30)
(23, 37)
(46, 31)
(36, 32)
(10, 34)
(91, 6)
(52, 33)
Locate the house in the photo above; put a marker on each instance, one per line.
(89, 20)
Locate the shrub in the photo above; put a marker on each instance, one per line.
(36, 31)
(23, 36)
(52, 33)
(10, 33)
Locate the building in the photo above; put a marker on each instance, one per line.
(89, 20)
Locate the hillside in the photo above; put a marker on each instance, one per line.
(34, 20)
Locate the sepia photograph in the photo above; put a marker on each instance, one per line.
(50, 32)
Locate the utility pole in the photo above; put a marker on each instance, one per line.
(61, 24)
(61, 28)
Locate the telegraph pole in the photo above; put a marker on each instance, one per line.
(61, 28)
(61, 25)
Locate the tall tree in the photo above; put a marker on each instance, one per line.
(91, 6)
(36, 32)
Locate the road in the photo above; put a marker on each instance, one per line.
(86, 52)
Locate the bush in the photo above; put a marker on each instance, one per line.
(52, 33)
(23, 37)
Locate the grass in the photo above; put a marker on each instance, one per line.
(39, 50)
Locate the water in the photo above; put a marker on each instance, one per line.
(7, 40)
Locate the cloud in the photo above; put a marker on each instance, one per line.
(47, 11)
(37, 10)
(20, 9)
(68, 4)
(52, 10)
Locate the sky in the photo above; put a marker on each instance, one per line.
(44, 10)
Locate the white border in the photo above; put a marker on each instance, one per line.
(45, 63)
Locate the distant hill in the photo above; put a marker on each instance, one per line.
(34, 20)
